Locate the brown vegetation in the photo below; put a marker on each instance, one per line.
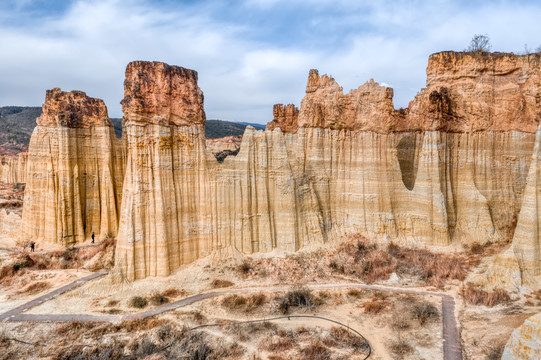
(244, 303)
(299, 297)
(476, 296)
(361, 259)
(219, 283)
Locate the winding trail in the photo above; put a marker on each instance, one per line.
(11, 314)
(452, 349)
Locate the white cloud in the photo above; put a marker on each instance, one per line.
(243, 68)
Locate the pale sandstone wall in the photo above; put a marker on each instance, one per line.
(351, 163)
(525, 342)
(12, 168)
(74, 172)
(166, 212)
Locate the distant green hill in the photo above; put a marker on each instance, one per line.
(18, 122)
(16, 126)
(215, 129)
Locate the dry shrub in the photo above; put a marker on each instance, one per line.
(356, 293)
(425, 312)
(477, 249)
(233, 302)
(299, 297)
(138, 302)
(348, 339)
(172, 292)
(375, 305)
(429, 267)
(112, 303)
(276, 344)
(400, 347)
(401, 322)
(244, 303)
(218, 283)
(245, 267)
(476, 296)
(315, 351)
(74, 329)
(35, 287)
(158, 299)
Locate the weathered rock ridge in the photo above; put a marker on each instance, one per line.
(74, 172)
(454, 168)
(450, 169)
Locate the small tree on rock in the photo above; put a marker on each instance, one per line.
(479, 43)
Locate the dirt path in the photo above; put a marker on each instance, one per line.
(452, 349)
(9, 315)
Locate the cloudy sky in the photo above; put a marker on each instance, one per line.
(250, 54)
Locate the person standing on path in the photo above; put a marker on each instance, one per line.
(32, 246)
(92, 237)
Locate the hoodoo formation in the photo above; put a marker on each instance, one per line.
(451, 169)
(166, 212)
(74, 172)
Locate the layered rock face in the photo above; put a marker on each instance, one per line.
(525, 342)
(13, 168)
(74, 172)
(448, 170)
(166, 217)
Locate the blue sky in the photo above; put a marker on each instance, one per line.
(250, 54)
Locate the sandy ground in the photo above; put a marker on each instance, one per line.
(10, 298)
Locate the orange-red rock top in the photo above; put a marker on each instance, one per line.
(73, 110)
(466, 92)
(158, 93)
(286, 117)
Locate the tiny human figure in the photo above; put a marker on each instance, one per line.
(92, 237)
(32, 246)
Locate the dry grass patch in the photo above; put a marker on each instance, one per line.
(300, 298)
(400, 348)
(477, 296)
(315, 351)
(35, 287)
(244, 303)
(219, 283)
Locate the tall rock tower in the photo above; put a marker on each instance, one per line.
(166, 210)
(74, 172)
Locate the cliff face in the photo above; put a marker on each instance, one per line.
(167, 208)
(74, 172)
(447, 170)
(13, 168)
